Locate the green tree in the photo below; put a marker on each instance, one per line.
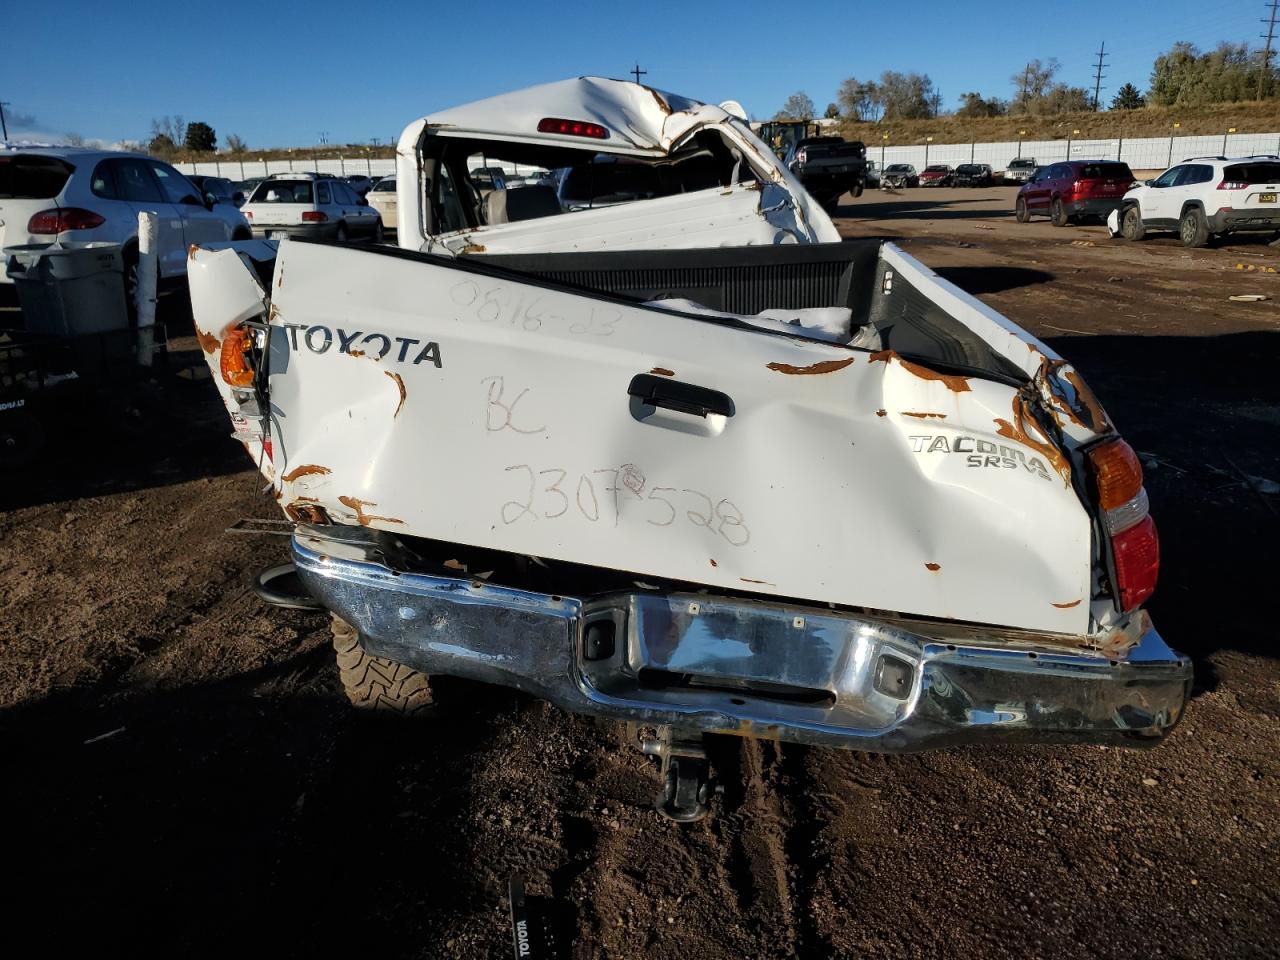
(1231, 72)
(1128, 98)
(797, 107)
(161, 145)
(200, 137)
(975, 105)
(907, 96)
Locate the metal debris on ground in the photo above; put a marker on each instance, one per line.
(1248, 297)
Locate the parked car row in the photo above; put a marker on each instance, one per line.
(73, 195)
(1200, 198)
(311, 205)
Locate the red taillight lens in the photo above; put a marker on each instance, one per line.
(234, 362)
(1232, 185)
(67, 218)
(572, 128)
(1135, 547)
(248, 214)
(314, 216)
(1137, 555)
(1118, 473)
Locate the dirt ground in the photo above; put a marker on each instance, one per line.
(182, 776)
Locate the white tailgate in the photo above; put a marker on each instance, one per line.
(450, 404)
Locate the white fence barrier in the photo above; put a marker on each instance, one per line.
(1145, 153)
(243, 169)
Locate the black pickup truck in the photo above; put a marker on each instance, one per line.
(829, 167)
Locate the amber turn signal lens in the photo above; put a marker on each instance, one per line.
(1118, 473)
(235, 360)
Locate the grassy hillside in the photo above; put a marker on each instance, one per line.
(1248, 117)
(1251, 117)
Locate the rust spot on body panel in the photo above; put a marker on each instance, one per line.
(308, 512)
(208, 342)
(1068, 606)
(474, 248)
(400, 386)
(1100, 423)
(763, 583)
(1017, 430)
(364, 519)
(355, 353)
(306, 470)
(658, 98)
(923, 416)
(933, 567)
(192, 251)
(882, 413)
(714, 564)
(953, 382)
(272, 313)
(824, 366)
(662, 372)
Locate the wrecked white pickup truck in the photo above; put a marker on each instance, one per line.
(685, 460)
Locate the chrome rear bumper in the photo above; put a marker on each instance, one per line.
(746, 667)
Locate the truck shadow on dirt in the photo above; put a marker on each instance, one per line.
(994, 279)
(979, 208)
(1204, 415)
(264, 800)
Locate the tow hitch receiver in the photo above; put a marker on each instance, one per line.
(686, 781)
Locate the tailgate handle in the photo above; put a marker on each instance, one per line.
(682, 397)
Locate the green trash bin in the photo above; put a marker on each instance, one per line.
(69, 291)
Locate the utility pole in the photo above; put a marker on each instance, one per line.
(639, 73)
(1026, 81)
(1266, 56)
(4, 127)
(1098, 75)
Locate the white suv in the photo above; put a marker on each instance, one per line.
(1202, 198)
(310, 205)
(68, 195)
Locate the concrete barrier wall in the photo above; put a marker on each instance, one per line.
(1146, 153)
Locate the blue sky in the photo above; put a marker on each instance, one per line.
(278, 74)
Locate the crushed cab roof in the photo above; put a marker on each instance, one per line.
(640, 119)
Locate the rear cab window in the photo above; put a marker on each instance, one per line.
(283, 191)
(33, 177)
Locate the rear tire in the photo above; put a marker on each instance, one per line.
(1058, 213)
(341, 234)
(378, 235)
(1131, 226)
(1020, 211)
(1193, 228)
(375, 683)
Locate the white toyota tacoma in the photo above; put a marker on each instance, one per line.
(685, 459)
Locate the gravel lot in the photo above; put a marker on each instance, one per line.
(183, 777)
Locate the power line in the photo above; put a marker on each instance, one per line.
(1098, 75)
(1266, 55)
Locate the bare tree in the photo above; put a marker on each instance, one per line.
(73, 139)
(859, 99)
(175, 128)
(235, 144)
(798, 107)
(1032, 83)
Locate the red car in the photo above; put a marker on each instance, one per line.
(937, 175)
(1069, 191)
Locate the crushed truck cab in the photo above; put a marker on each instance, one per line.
(801, 490)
